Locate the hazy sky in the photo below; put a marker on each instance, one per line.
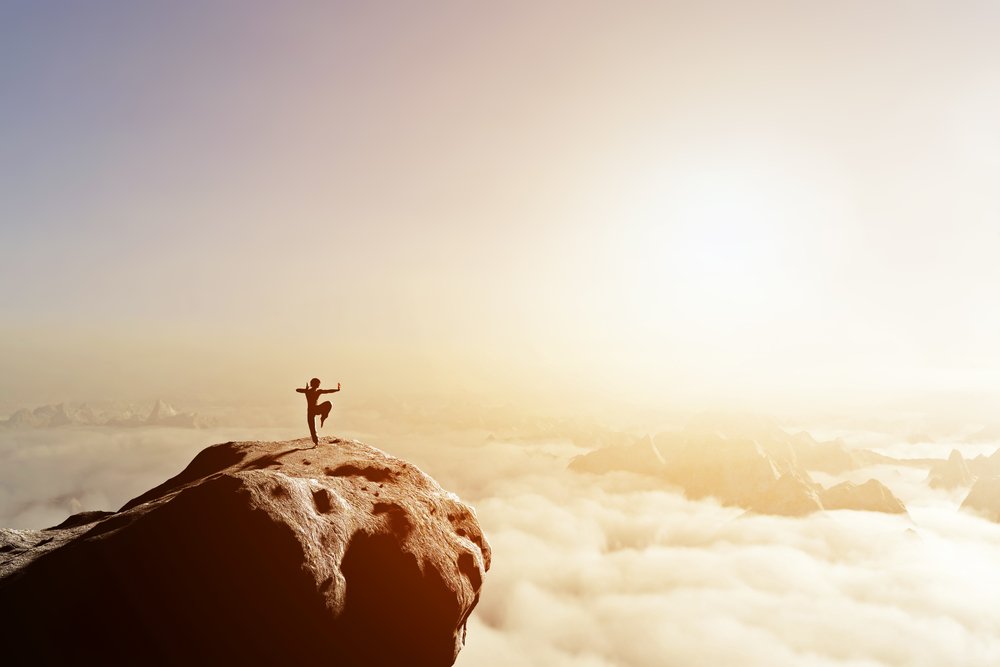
(645, 200)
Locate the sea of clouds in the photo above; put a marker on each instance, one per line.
(617, 570)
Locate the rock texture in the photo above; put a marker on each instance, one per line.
(259, 554)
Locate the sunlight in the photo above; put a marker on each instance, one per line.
(725, 237)
(710, 245)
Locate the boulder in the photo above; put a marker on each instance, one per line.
(258, 553)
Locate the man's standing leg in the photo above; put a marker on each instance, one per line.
(312, 428)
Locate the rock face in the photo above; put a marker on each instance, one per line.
(950, 474)
(257, 553)
(872, 496)
(984, 498)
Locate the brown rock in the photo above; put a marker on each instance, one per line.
(257, 553)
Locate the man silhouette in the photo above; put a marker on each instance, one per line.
(313, 392)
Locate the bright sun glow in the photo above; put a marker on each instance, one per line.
(714, 244)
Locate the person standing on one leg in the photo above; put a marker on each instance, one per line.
(313, 392)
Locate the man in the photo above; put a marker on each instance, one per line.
(313, 392)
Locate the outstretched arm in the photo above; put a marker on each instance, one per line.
(331, 391)
(303, 390)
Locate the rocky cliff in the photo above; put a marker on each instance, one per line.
(257, 553)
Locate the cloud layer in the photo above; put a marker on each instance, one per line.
(603, 571)
(613, 570)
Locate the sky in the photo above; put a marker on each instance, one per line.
(770, 202)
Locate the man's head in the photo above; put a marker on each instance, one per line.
(314, 383)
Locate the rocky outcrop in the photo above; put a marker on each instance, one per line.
(872, 496)
(951, 473)
(984, 498)
(257, 553)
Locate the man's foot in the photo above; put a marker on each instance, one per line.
(322, 420)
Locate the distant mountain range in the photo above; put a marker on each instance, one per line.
(83, 414)
(750, 462)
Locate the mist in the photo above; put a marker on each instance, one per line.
(602, 573)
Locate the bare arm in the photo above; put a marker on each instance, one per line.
(331, 391)
(303, 390)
